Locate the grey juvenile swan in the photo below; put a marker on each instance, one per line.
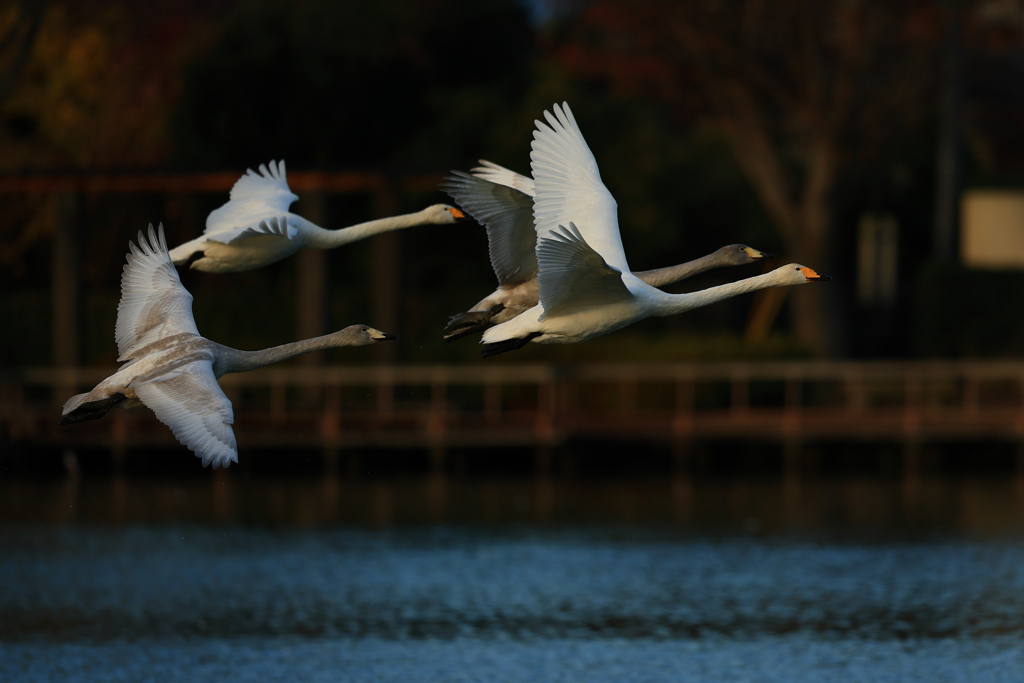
(170, 368)
(255, 228)
(502, 201)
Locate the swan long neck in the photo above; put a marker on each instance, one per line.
(660, 277)
(319, 238)
(670, 304)
(233, 360)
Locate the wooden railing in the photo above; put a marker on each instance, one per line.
(541, 405)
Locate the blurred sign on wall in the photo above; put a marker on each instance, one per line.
(992, 229)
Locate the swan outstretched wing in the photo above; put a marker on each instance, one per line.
(508, 216)
(154, 304)
(571, 274)
(569, 187)
(276, 226)
(269, 184)
(255, 197)
(488, 170)
(190, 401)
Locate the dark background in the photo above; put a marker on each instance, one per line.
(673, 100)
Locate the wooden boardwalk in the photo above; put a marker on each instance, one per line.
(479, 406)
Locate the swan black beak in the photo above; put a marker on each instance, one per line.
(383, 336)
(756, 255)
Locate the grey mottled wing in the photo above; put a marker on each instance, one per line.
(573, 275)
(154, 304)
(190, 401)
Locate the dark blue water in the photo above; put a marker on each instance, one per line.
(509, 603)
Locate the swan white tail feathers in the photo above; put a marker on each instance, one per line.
(181, 254)
(73, 402)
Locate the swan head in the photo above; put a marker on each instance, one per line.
(739, 254)
(443, 214)
(796, 274)
(361, 335)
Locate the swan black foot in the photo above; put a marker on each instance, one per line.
(472, 321)
(508, 345)
(93, 410)
(193, 257)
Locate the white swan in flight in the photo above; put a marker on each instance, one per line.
(255, 228)
(585, 285)
(170, 368)
(502, 201)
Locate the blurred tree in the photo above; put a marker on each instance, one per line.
(16, 40)
(83, 85)
(797, 87)
(98, 84)
(992, 72)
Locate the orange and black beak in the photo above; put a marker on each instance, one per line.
(813, 275)
(756, 255)
(458, 214)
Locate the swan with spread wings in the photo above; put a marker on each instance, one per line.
(170, 368)
(585, 286)
(255, 228)
(502, 201)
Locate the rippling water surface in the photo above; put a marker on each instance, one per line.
(505, 603)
